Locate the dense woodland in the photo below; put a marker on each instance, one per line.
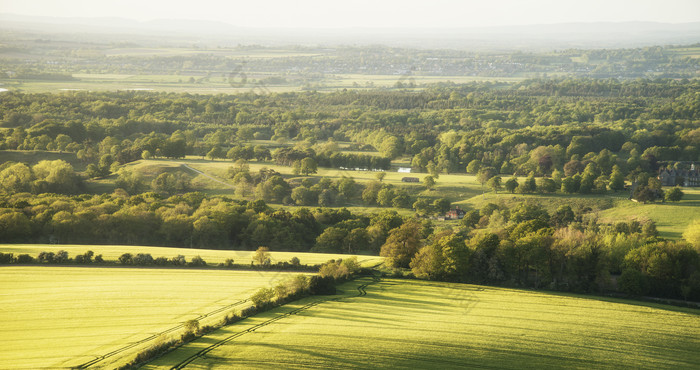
(567, 135)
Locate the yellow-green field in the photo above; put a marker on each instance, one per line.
(211, 256)
(671, 218)
(414, 324)
(62, 317)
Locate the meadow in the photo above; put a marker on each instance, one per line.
(671, 218)
(415, 324)
(63, 317)
(211, 256)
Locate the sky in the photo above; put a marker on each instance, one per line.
(369, 13)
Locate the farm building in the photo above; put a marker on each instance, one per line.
(410, 179)
(674, 177)
(455, 214)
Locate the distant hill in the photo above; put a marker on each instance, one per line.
(531, 37)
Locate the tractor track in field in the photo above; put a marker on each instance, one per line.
(100, 358)
(201, 353)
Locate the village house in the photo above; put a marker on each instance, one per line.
(455, 214)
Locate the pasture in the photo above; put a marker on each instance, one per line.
(672, 218)
(415, 324)
(62, 317)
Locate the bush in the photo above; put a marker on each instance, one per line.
(126, 259)
(197, 261)
(178, 260)
(24, 258)
(262, 297)
(229, 262)
(143, 259)
(6, 258)
(321, 285)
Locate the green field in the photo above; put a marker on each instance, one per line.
(414, 324)
(671, 218)
(211, 256)
(61, 317)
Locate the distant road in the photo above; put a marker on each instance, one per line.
(208, 176)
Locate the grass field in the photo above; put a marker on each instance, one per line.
(414, 324)
(61, 317)
(211, 256)
(671, 218)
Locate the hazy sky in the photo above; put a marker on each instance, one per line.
(369, 13)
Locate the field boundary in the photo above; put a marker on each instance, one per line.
(99, 359)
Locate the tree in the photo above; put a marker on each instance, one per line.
(441, 205)
(429, 182)
(262, 256)
(494, 183)
(308, 166)
(401, 245)
(380, 176)
(473, 166)
(215, 152)
(674, 194)
(511, 184)
(390, 147)
(617, 180)
(692, 234)
(16, 178)
(485, 173)
(130, 181)
(385, 196)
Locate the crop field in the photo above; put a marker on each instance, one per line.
(414, 324)
(61, 317)
(211, 256)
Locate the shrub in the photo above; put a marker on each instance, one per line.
(24, 258)
(197, 261)
(321, 285)
(262, 297)
(143, 259)
(229, 262)
(178, 260)
(126, 259)
(6, 258)
(45, 257)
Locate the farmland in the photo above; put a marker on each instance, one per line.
(211, 256)
(60, 317)
(400, 324)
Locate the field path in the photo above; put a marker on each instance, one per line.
(207, 175)
(361, 293)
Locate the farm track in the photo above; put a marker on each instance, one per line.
(207, 175)
(156, 335)
(361, 293)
